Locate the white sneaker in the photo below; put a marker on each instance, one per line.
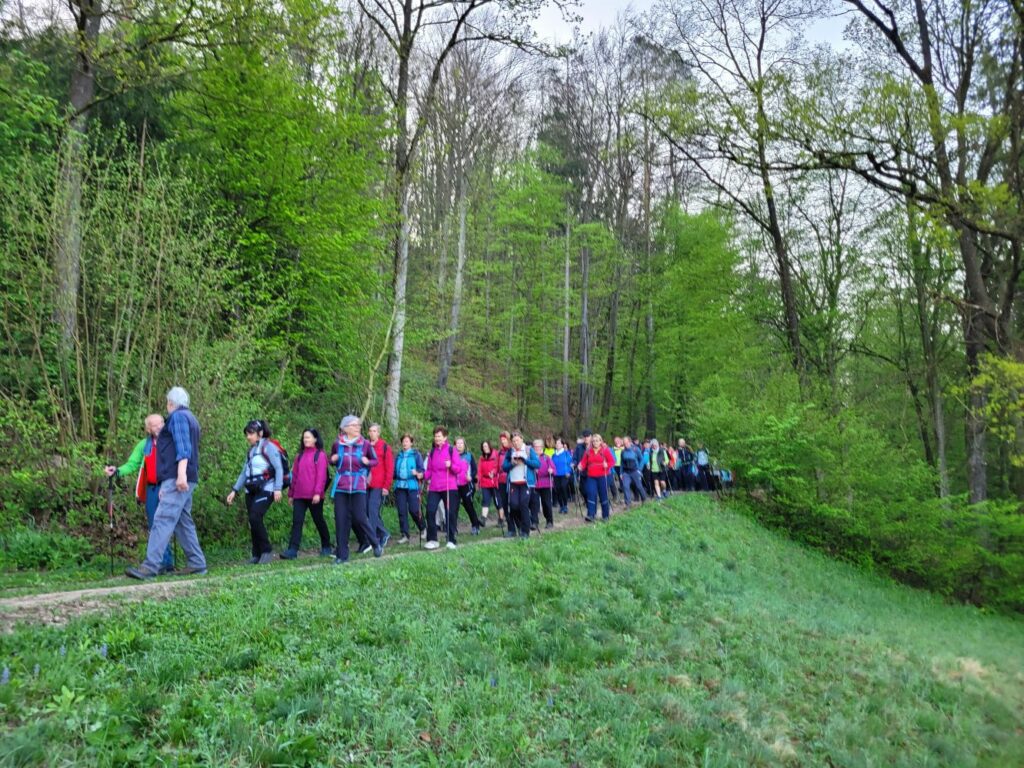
(404, 540)
(452, 545)
(431, 545)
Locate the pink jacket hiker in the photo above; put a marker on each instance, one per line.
(544, 479)
(439, 477)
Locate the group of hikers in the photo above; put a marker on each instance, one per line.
(520, 481)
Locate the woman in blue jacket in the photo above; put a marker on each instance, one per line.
(562, 457)
(521, 464)
(408, 473)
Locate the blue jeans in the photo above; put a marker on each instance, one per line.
(152, 501)
(631, 480)
(173, 517)
(374, 501)
(596, 487)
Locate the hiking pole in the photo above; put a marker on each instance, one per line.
(110, 522)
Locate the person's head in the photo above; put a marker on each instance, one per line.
(407, 441)
(460, 444)
(485, 448)
(595, 441)
(588, 436)
(682, 443)
(373, 433)
(505, 439)
(351, 426)
(627, 441)
(538, 446)
(618, 441)
(177, 398)
(440, 435)
(517, 440)
(655, 445)
(559, 444)
(255, 430)
(311, 439)
(154, 423)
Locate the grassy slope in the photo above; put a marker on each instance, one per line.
(681, 636)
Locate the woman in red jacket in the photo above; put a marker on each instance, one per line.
(597, 463)
(488, 469)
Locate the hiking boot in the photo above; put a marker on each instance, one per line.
(548, 524)
(339, 561)
(289, 554)
(265, 559)
(366, 550)
(141, 573)
(165, 569)
(378, 551)
(432, 545)
(588, 520)
(474, 531)
(190, 571)
(404, 540)
(253, 560)
(385, 540)
(508, 535)
(326, 552)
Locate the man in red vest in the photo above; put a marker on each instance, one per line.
(142, 464)
(381, 477)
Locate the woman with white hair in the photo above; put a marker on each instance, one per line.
(353, 455)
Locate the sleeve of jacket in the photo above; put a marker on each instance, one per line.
(427, 469)
(389, 466)
(240, 482)
(419, 463)
(532, 461)
(321, 473)
(370, 455)
(472, 469)
(458, 463)
(274, 457)
(134, 463)
(506, 464)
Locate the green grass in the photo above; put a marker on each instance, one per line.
(680, 635)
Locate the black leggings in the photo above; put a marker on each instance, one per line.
(451, 509)
(519, 509)
(316, 511)
(540, 499)
(408, 503)
(466, 496)
(256, 504)
(349, 513)
(562, 492)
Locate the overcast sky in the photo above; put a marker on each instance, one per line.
(603, 13)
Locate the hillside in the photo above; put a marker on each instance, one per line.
(682, 634)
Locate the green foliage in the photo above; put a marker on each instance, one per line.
(681, 636)
(25, 549)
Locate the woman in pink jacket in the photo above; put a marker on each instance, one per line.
(441, 473)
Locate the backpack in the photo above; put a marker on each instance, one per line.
(286, 470)
(327, 481)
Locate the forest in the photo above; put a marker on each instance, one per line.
(705, 221)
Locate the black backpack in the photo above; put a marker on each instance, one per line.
(286, 469)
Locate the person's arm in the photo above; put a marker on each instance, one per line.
(506, 464)
(532, 461)
(419, 465)
(135, 460)
(320, 482)
(274, 457)
(182, 447)
(389, 468)
(369, 457)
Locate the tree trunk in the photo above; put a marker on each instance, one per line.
(609, 374)
(977, 472)
(585, 390)
(448, 347)
(392, 393)
(68, 248)
(565, 336)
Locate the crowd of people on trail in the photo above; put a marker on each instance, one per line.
(520, 481)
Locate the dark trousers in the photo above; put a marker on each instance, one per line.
(374, 502)
(540, 499)
(707, 482)
(597, 487)
(349, 513)
(688, 480)
(490, 498)
(408, 503)
(502, 490)
(562, 493)
(451, 511)
(466, 497)
(256, 504)
(316, 511)
(518, 515)
(152, 502)
(632, 486)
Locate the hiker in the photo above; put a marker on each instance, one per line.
(616, 477)
(306, 492)
(595, 466)
(632, 483)
(685, 465)
(381, 476)
(142, 464)
(645, 469)
(520, 464)
(541, 498)
(262, 477)
(488, 470)
(582, 444)
(441, 470)
(562, 460)
(466, 482)
(408, 473)
(353, 455)
(658, 462)
(177, 474)
(505, 445)
(703, 462)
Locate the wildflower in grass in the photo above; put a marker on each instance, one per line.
(494, 682)
(551, 701)
(5, 676)
(103, 650)
(35, 671)
(63, 651)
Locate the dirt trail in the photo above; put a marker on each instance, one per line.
(57, 608)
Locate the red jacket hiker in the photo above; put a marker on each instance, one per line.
(597, 463)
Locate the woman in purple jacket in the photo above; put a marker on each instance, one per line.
(309, 483)
(441, 473)
(353, 456)
(545, 483)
